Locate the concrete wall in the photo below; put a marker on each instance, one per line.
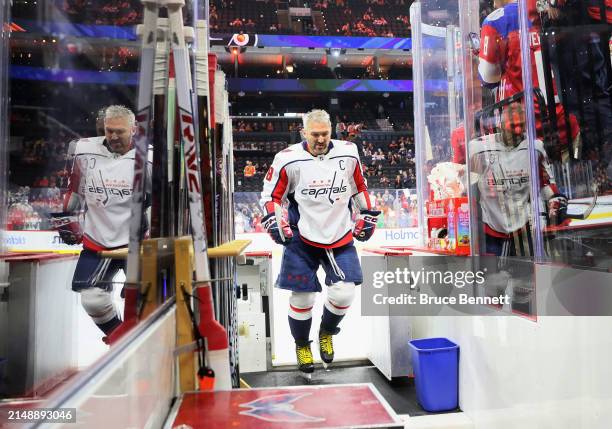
(551, 373)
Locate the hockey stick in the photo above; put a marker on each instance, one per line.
(584, 203)
(218, 346)
(141, 144)
(587, 212)
(278, 214)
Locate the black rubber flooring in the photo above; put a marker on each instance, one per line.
(399, 393)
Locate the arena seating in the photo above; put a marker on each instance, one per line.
(233, 16)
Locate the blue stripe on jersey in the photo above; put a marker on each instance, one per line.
(506, 22)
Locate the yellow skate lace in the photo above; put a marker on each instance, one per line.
(304, 355)
(325, 341)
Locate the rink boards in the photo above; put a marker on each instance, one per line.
(322, 406)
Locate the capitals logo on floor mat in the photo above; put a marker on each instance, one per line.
(279, 409)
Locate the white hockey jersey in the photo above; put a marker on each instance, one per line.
(318, 190)
(104, 181)
(503, 181)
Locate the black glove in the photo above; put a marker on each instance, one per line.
(557, 209)
(271, 224)
(68, 227)
(365, 224)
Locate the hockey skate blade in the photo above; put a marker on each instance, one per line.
(307, 376)
(326, 366)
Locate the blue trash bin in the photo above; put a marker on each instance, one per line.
(436, 373)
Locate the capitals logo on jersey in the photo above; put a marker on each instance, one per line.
(325, 188)
(503, 173)
(103, 189)
(103, 180)
(318, 190)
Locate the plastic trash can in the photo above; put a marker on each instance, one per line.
(436, 372)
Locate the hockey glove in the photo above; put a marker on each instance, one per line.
(365, 224)
(279, 229)
(68, 227)
(557, 209)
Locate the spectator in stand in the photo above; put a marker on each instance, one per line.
(387, 197)
(257, 227)
(249, 169)
(402, 150)
(397, 183)
(340, 128)
(405, 180)
(241, 221)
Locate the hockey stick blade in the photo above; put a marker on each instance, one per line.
(585, 203)
(589, 209)
(278, 213)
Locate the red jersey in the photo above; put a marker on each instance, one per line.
(500, 62)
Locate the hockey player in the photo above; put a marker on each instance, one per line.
(101, 182)
(500, 165)
(500, 65)
(500, 168)
(322, 182)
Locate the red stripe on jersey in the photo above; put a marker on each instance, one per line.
(269, 207)
(339, 307)
(90, 244)
(358, 178)
(300, 310)
(281, 186)
(67, 200)
(595, 12)
(348, 237)
(545, 179)
(494, 233)
(73, 182)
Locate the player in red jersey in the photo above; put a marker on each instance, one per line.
(500, 65)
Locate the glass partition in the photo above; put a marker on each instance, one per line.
(136, 380)
(543, 88)
(567, 58)
(66, 62)
(438, 71)
(525, 147)
(4, 39)
(398, 206)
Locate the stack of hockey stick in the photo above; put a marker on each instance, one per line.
(194, 179)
